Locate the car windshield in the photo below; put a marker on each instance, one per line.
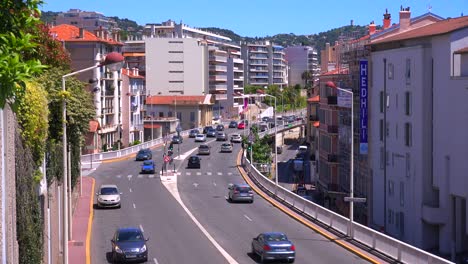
(130, 235)
(276, 237)
(226, 145)
(203, 147)
(147, 162)
(199, 135)
(194, 158)
(142, 152)
(243, 189)
(109, 191)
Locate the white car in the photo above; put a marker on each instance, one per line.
(200, 138)
(108, 196)
(236, 138)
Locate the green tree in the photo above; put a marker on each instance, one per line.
(16, 17)
(307, 77)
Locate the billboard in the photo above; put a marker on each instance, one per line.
(363, 92)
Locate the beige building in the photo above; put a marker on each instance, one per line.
(133, 96)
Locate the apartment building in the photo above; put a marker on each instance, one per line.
(86, 49)
(264, 64)
(88, 20)
(417, 137)
(133, 96)
(301, 59)
(202, 63)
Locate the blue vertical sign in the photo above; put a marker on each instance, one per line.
(363, 88)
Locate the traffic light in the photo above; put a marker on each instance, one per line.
(171, 146)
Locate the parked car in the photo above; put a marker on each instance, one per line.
(194, 162)
(108, 196)
(193, 133)
(226, 147)
(144, 154)
(211, 132)
(240, 192)
(177, 139)
(236, 138)
(221, 136)
(203, 149)
(205, 129)
(273, 246)
(129, 244)
(148, 166)
(232, 124)
(200, 138)
(241, 125)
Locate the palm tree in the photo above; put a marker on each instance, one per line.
(306, 76)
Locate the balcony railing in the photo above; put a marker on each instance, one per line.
(332, 100)
(332, 129)
(218, 58)
(313, 118)
(219, 68)
(218, 87)
(221, 97)
(332, 158)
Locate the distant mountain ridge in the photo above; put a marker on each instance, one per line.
(315, 40)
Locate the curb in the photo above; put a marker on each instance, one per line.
(302, 221)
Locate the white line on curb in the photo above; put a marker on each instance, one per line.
(130, 189)
(134, 206)
(155, 261)
(142, 230)
(248, 218)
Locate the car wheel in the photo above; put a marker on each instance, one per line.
(120, 206)
(291, 261)
(253, 250)
(230, 199)
(262, 259)
(114, 258)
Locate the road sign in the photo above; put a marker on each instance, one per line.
(167, 159)
(355, 199)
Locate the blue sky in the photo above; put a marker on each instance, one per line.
(262, 17)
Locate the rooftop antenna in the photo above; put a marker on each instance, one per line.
(429, 8)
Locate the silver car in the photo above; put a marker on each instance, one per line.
(236, 138)
(221, 136)
(273, 246)
(200, 138)
(240, 192)
(226, 147)
(203, 150)
(108, 196)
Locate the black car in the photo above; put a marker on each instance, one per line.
(205, 129)
(177, 140)
(219, 127)
(233, 124)
(211, 132)
(194, 162)
(129, 244)
(144, 154)
(193, 133)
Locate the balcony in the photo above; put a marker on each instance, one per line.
(258, 57)
(259, 77)
(218, 59)
(313, 118)
(218, 87)
(332, 129)
(258, 51)
(332, 158)
(220, 97)
(258, 69)
(255, 62)
(218, 78)
(218, 68)
(332, 100)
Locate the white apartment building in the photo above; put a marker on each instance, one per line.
(88, 20)
(301, 59)
(265, 64)
(418, 142)
(133, 95)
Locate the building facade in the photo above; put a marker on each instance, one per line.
(133, 95)
(301, 59)
(264, 64)
(88, 20)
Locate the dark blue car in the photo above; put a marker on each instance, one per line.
(129, 244)
(148, 166)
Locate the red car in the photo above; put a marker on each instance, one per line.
(241, 125)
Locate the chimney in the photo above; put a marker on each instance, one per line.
(81, 33)
(387, 19)
(405, 15)
(372, 28)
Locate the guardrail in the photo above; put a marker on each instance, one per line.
(374, 240)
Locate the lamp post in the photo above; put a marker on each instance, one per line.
(114, 61)
(351, 183)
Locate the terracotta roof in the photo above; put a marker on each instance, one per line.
(133, 54)
(461, 51)
(437, 28)
(181, 99)
(69, 33)
(93, 126)
(314, 99)
(151, 125)
(129, 73)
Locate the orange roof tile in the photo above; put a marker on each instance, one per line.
(314, 99)
(437, 28)
(69, 33)
(172, 99)
(93, 126)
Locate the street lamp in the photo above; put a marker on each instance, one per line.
(114, 62)
(332, 85)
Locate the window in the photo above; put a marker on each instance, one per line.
(176, 81)
(396, 101)
(382, 158)
(396, 131)
(176, 62)
(381, 129)
(176, 71)
(381, 101)
(174, 42)
(391, 188)
(390, 71)
(402, 223)
(408, 165)
(192, 116)
(169, 114)
(408, 71)
(179, 116)
(387, 129)
(387, 157)
(408, 132)
(402, 193)
(390, 216)
(397, 220)
(176, 51)
(408, 103)
(161, 114)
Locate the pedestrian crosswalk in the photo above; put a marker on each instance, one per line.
(156, 175)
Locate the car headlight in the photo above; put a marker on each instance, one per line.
(143, 248)
(99, 198)
(117, 249)
(117, 199)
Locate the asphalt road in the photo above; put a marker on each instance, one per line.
(174, 237)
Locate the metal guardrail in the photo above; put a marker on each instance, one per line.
(374, 240)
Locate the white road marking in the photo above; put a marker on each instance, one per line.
(130, 189)
(208, 173)
(229, 173)
(199, 173)
(155, 261)
(220, 173)
(141, 227)
(151, 176)
(179, 173)
(188, 173)
(195, 184)
(225, 197)
(140, 176)
(129, 177)
(134, 206)
(248, 218)
(214, 183)
(118, 176)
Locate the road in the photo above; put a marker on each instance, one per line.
(175, 238)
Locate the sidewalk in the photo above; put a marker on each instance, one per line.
(78, 247)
